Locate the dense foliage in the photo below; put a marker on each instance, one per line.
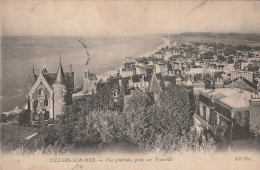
(163, 126)
(153, 126)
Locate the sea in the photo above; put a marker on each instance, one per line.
(19, 54)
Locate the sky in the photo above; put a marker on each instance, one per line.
(127, 18)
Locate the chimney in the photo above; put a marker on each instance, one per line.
(120, 82)
(143, 78)
(86, 74)
(70, 68)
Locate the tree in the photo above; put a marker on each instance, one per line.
(151, 126)
(160, 126)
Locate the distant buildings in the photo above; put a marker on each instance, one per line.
(89, 82)
(220, 79)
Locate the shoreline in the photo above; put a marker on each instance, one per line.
(166, 42)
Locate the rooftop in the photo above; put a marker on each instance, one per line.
(233, 97)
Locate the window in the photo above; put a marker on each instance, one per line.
(218, 119)
(35, 103)
(201, 109)
(115, 93)
(207, 113)
(204, 111)
(41, 104)
(46, 102)
(41, 91)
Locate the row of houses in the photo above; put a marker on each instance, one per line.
(228, 111)
(227, 99)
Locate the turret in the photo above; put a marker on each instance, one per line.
(60, 91)
(155, 88)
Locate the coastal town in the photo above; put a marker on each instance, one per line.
(222, 82)
(130, 84)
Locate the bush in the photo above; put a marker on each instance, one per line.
(100, 127)
(3, 118)
(23, 117)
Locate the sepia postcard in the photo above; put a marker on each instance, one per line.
(129, 84)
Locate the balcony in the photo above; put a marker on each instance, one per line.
(219, 130)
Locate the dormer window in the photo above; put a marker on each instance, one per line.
(115, 93)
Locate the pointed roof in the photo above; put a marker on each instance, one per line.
(33, 74)
(60, 78)
(31, 82)
(189, 83)
(155, 85)
(44, 70)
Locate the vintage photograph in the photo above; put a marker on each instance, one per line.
(106, 84)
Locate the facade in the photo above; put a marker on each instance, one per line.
(227, 113)
(139, 81)
(161, 68)
(48, 92)
(89, 82)
(127, 72)
(140, 70)
(246, 74)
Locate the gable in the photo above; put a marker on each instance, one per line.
(241, 83)
(41, 81)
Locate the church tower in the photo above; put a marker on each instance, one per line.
(60, 91)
